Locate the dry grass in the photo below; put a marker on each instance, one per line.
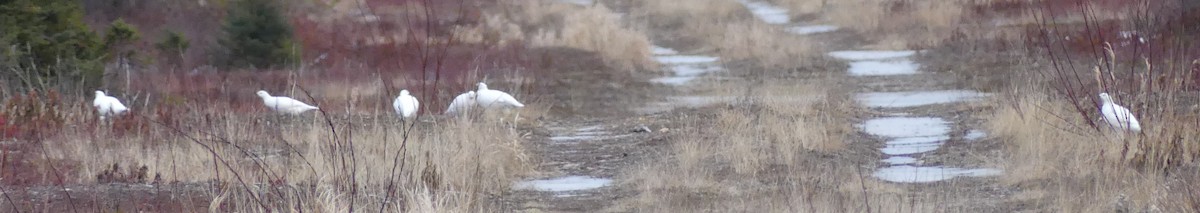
(689, 13)
(764, 44)
(781, 149)
(548, 23)
(860, 15)
(598, 29)
(443, 165)
(726, 27)
(899, 24)
(1057, 157)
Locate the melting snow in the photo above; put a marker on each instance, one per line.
(858, 55)
(685, 59)
(897, 160)
(919, 98)
(578, 2)
(904, 127)
(767, 12)
(876, 68)
(562, 184)
(657, 50)
(811, 29)
(918, 174)
(974, 134)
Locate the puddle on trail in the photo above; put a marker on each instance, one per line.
(674, 80)
(920, 174)
(590, 128)
(578, 2)
(684, 68)
(905, 127)
(874, 63)
(685, 59)
(588, 133)
(974, 134)
(905, 136)
(913, 145)
(574, 138)
(563, 184)
(859, 55)
(766, 12)
(877, 68)
(811, 29)
(900, 160)
(693, 69)
(586, 137)
(657, 50)
(919, 98)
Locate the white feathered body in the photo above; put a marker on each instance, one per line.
(1120, 117)
(108, 106)
(461, 103)
(284, 105)
(495, 99)
(406, 105)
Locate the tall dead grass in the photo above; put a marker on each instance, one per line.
(597, 28)
(782, 148)
(899, 24)
(1056, 157)
(593, 28)
(689, 13)
(764, 44)
(724, 26)
(436, 165)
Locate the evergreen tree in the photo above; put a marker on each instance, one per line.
(45, 43)
(172, 47)
(256, 35)
(118, 39)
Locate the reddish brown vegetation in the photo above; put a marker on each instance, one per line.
(31, 116)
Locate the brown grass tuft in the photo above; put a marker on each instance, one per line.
(1057, 157)
(593, 28)
(765, 44)
(782, 148)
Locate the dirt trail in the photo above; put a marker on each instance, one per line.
(920, 121)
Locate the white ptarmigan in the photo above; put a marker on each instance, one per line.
(1118, 116)
(495, 99)
(462, 103)
(283, 104)
(406, 105)
(108, 106)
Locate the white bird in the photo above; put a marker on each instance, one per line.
(1118, 116)
(283, 104)
(406, 105)
(462, 103)
(107, 105)
(494, 99)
